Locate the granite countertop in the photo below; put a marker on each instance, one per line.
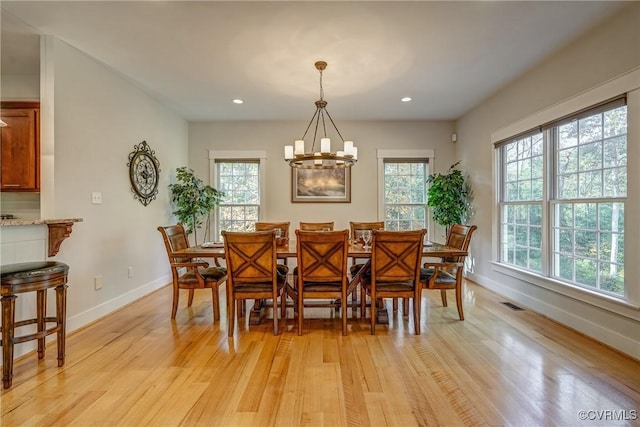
(18, 221)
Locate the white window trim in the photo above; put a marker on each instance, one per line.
(214, 155)
(628, 83)
(383, 155)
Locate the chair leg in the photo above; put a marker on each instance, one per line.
(395, 304)
(344, 310)
(191, 292)
(61, 321)
(41, 314)
(443, 295)
(354, 301)
(405, 306)
(300, 311)
(417, 306)
(231, 312)
(8, 329)
(275, 313)
(459, 301)
(241, 307)
(283, 303)
(215, 301)
(176, 298)
(374, 311)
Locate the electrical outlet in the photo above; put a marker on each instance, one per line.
(130, 272)
(97, 282)
(96, 198)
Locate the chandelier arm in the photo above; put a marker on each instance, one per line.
(315, 132)
(334, 125)
(309, 125)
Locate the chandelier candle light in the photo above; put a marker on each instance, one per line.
(323, 159)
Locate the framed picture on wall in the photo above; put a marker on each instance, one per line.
(321, 185)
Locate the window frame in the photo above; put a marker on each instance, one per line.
(628, 83)
(215, 157)
(550, 199)
(413, 156)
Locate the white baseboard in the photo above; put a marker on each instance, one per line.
(107, 307)
(91, 315)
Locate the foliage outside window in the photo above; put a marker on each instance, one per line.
(240, 207)
(572, 175)
(405, 189)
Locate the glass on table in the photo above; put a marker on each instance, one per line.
(366, 236)
(357, 238)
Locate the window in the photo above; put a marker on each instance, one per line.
(521, 219)
(405, 190)
(240, 207)
(572, 175)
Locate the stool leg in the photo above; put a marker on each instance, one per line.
(61, 320)
(41, 314)
(8, 319)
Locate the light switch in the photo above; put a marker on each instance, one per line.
(96, 198)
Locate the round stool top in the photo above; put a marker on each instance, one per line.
(26, 270)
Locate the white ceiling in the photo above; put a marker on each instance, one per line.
(196, 57)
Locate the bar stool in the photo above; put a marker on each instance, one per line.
(32, 277)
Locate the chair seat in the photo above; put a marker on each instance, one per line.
(322, 286)
(355, 268)
(444, 277)
(382, 287)
(282, 269)
(209, 274)
(252, 288)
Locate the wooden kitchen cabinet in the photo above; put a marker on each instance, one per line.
(20, 146)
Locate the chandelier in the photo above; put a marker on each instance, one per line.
(298, 157)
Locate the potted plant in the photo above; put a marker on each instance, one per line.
(193, 200)
(448, 197)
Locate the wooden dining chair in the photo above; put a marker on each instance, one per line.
(252, 273)
(316, 226)
(282, 241)
(190, 274)
(395, 271)
(322, 272)
(283, 226)
(447, 274)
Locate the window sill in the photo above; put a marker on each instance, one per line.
(621, 307)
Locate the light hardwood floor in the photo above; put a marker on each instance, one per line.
(498, 367)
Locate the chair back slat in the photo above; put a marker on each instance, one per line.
(396, 255)
(459, 237)
(358, 226)
(316, 226)
(322, 257)
(175, 239)
(284, 226)
(250, 257)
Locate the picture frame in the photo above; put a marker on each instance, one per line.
(321, 185)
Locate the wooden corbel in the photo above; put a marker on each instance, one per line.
(57, 233)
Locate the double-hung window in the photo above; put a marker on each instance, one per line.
(404, 193)
(239, 209)
(562, 197)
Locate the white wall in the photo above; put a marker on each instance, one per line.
(609, 51)
(368, 136)
(99, 117)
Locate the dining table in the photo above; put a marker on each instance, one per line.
(215, 251)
